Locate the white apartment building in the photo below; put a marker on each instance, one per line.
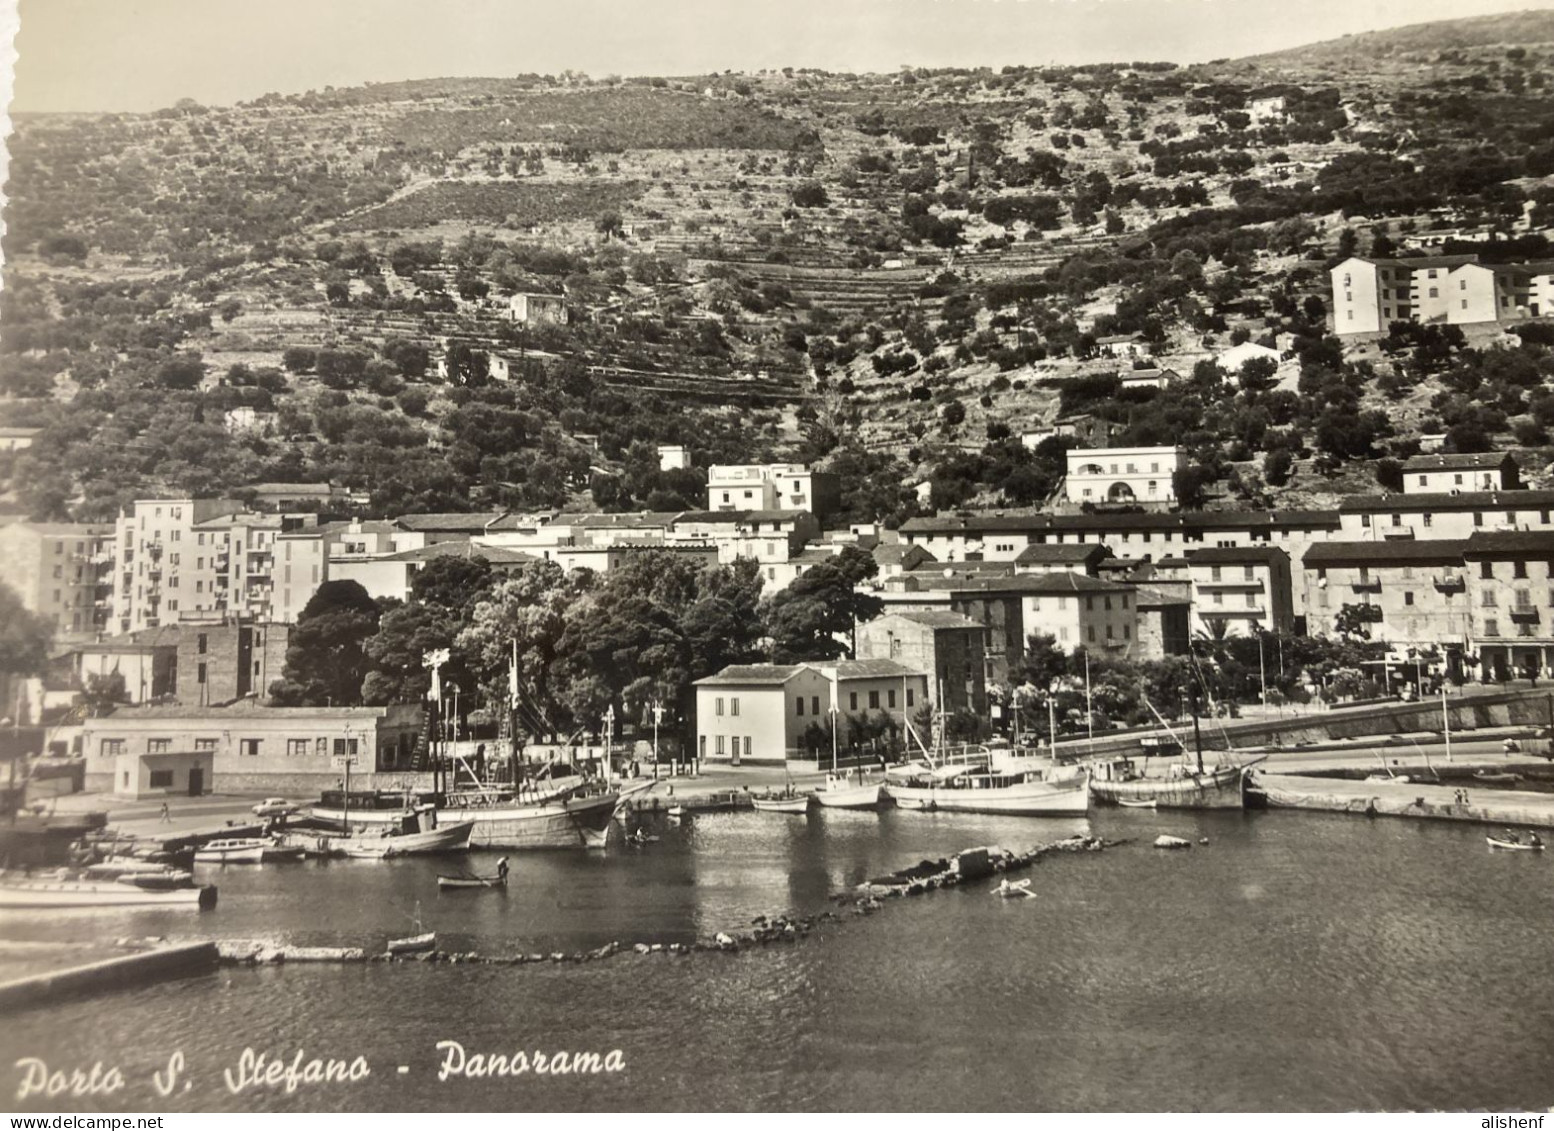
(1369, 294)
(772, 487)
(1122, 475)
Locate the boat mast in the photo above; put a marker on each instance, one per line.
(1197, 737)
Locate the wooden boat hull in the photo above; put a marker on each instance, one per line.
(1025, 799)
(1213, 789)
(453, 838)
(250, 854)
(1509, 847)
(359, 818)
(78, 893)
(850, 797)
(1130, 803)
(568, 823)
(796, 806)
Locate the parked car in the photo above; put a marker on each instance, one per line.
(274, 807)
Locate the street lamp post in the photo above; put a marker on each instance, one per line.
(658, 716)
(832, 712)
(609, 738)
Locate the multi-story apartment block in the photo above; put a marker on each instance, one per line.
(1122, 475)
(1445, 472)
(772, 487)
(1510, 581)
(1416, 591)
(1369, 294)
(948, 645)
(1239, 590)
(1450, 514)
(61, 572)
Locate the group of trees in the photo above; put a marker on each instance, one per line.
(636, 636)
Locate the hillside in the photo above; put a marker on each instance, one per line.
(893, 276)
(1507, 29)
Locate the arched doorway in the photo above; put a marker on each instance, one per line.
(1120, 493)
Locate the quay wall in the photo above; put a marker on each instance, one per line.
(126, 972)
(1529, 707)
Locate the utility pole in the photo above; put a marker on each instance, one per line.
(609, 738)
(658, 717)
(1262, 672)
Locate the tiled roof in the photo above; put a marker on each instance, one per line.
(1181, 520)
(1236, 555)
(746, 674)
(867, 669)
(1445, 500)
(496, 555)
(448, 522)
(1060, 552)
(246, 707)
(895, 553)
(1401, 551)
(1456, 461)
(933, 618)
(1510, 542)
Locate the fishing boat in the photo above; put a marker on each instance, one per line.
(1132, 803)
(1497, 778)
(1163, 841)
(248, 850)
(450, 838)
(1182, 785)
(840, 793)
(578, 819)
(1514, 846)
(1016, 890)
(22, 892)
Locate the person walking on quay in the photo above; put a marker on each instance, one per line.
(167, 816)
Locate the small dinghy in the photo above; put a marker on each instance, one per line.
(414, 944)
(1127, 804)
(676, 812)
(1163, 841)
(468, 880)
(1502, 779)
(1514, 845)
(1020, 889)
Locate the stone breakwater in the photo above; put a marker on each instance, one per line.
(968, 866)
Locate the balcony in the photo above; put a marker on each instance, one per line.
(1256, 612)
(1250, 585)
(1525, 613)
(154, 572)
(1366, 585)
(154, 550)
(1447, 582)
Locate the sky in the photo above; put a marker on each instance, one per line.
(132, 55)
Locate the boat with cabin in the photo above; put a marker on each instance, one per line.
(246, 850)
(1178, 785)
(64, 890)
(988, 778)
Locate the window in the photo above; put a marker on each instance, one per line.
(1219, 598)
(1464, 304)
(1124, 600)
(874, 700)
(720, 706)
(1092, 634)
(1486, 570)
(1365, 520)
(1426, 518)
(345, 747)
(321, 747)
(1487, 599)
(1107, 601)
(720, 746)
(1518, 569)
(909, 697)
(199, 673)
(161, 779)
(1251, 600)
(1397, 520)
(798, 705)
(733, 705)
(1491, 627)
(890, 699)
(249, 747)
(204, 744)
(1408, 598)
(1524, 598)
(852, 700)
(1436, 293)
(1478, 518)
(298, 747)
(701, 746)
(814, 704)
(201, 643)
(747, 745)
(112, 747)
(158, 745)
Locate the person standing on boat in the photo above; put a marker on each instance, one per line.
(501, 870)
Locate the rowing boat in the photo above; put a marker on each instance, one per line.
(414, 944)
(460, 882)
(1017, 889)
(1513, 846)
(1129, 803)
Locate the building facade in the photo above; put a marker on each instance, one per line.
(949, 646)
(61, 572)
(1122, 475)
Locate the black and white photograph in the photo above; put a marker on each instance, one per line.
(813, 556)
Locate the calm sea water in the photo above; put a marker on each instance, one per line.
(1296, 961)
